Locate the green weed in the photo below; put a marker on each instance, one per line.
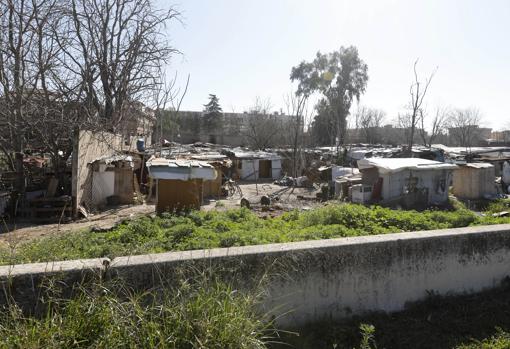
(203, 314)
(239, 227)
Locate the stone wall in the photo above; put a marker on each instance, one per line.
(313, 280)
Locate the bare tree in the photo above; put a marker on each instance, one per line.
(114, 52)
(261, 126)
(464, 126)
(368, 122)
(26, 56)
(297, 112)
(67, 65)
(438, 125)
(418, 91)
(167, 103)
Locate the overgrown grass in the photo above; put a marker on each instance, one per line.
(501, 340)
(205, 314)
(498, 206)
(237, 227)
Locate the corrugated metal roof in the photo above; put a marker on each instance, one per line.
(389, 165)
(209, 157)
(181, 169)
(471, 150)
(183, 163)
(478, 165)
(246, 154)
(108, 159)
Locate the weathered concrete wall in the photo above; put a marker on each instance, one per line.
(87, 147)
(26, 283)
(340, 277)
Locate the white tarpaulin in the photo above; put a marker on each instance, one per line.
(392, 165)
(339, 171)
(180, 169)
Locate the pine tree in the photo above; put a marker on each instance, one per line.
(213, 114)
(213, 107)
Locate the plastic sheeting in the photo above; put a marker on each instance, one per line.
(392, 165)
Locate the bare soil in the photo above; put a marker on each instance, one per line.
(26, 231)
(282, 199)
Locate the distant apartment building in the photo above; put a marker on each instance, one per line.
(469, 136)
(387, 134)
(232, 129)
(500, 138)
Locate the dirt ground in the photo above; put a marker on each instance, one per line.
(287, 199)
(282, 198)
(25, 231)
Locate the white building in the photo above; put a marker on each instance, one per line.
(408, 182)
(253, 165)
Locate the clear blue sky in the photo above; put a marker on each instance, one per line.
(242, 49)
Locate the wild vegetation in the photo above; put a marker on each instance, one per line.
(199, 313)
(239, 227)
(202, 310)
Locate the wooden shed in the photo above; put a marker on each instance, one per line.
(474, 181)
(179, 183)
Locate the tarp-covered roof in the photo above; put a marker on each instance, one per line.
(391, 165)
(478, 165)
(160, 168)
(471, 150)
(108, 159)
(240, 153)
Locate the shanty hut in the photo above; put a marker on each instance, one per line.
(254, 165)
(179, 183)
(212, 188)
(408, 182)
(474, 181)
(111, 180)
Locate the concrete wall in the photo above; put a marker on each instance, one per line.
(394, 184)
(330, 278)
(87, 147)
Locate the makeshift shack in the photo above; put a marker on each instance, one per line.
(407, 182)
(179, 183)
(474, 181)
(331, 173)
(254, 165)
(212, 188)
(112, 181)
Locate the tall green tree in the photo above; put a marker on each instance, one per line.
(213, 113)
(340, 77)
(323, 129)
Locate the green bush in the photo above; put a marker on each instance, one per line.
(499, 341)
(239, 227)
